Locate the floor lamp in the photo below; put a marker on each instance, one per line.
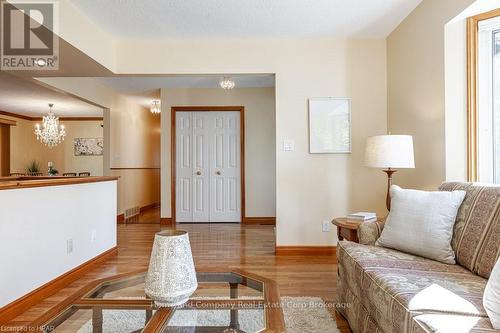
(389, 152)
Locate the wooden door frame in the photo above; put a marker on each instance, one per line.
(173, 152)
(473, 91)
(5, 149)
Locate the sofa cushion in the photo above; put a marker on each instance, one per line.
(476, 234)
(393, 286)
(421, 223)
(444, 323)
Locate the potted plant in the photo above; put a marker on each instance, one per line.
(33, 168)
(52, 171)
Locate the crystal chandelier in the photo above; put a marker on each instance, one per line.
(227, 83)
(155, 107)
(51, 134)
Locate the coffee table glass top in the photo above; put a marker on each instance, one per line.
(82, 319)
(217, 285)
(223, 302)
(227, 321)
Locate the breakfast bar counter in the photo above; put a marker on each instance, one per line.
(8, 183)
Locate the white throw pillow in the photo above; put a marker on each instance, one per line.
(491, 297)
(421, 223)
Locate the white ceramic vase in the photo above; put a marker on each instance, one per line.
(171, 277)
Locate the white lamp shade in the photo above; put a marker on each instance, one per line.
(389, 151)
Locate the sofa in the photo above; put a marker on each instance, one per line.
(384, 290)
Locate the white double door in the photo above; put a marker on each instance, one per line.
(208, 170)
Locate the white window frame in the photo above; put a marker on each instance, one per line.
(485, 120)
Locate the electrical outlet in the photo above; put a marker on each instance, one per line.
(326, 226)
(93, 235)
(69, 246)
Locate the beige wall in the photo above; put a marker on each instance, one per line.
(137, 187)
(455, 68)
(81, 129)
(260, 138)
(25, 148)
(135, 135)
(416, 88)
(135, 143)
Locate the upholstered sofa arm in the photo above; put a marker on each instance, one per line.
(369, 232)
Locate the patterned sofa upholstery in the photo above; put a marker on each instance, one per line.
(384, 290)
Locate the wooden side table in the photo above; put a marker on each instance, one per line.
(346, 230)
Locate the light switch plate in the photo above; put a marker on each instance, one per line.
(326, 226)
(288, 145)
(69, 246)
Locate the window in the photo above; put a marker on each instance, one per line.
(483, 147)
(488, 119)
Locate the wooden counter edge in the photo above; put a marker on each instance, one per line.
(18, 184)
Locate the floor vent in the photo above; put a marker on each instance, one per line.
(131, 215)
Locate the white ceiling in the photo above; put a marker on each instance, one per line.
(30, 99)
(157, 19)
(135, 84)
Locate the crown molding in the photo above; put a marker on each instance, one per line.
(20, 116)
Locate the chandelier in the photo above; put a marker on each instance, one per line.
(50, 134)
(155, 107)
(227, 83)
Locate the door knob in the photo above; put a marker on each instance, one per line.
(198, 173)
(218, 173)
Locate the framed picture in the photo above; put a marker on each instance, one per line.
(88, 146)
(329, 125)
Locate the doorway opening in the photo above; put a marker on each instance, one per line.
(76, 151)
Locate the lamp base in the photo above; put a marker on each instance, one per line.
(389, 173)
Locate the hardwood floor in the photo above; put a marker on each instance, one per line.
(216, 247)
(150, 216)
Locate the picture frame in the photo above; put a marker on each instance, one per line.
(88, 146)
(330, 125)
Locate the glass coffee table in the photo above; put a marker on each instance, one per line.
(231, 302)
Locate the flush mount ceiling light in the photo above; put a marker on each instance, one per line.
(50, 134)
(227, 83)
(155, 106)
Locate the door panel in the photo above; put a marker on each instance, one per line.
(184, 168)
(201, 193)
(225, 168)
